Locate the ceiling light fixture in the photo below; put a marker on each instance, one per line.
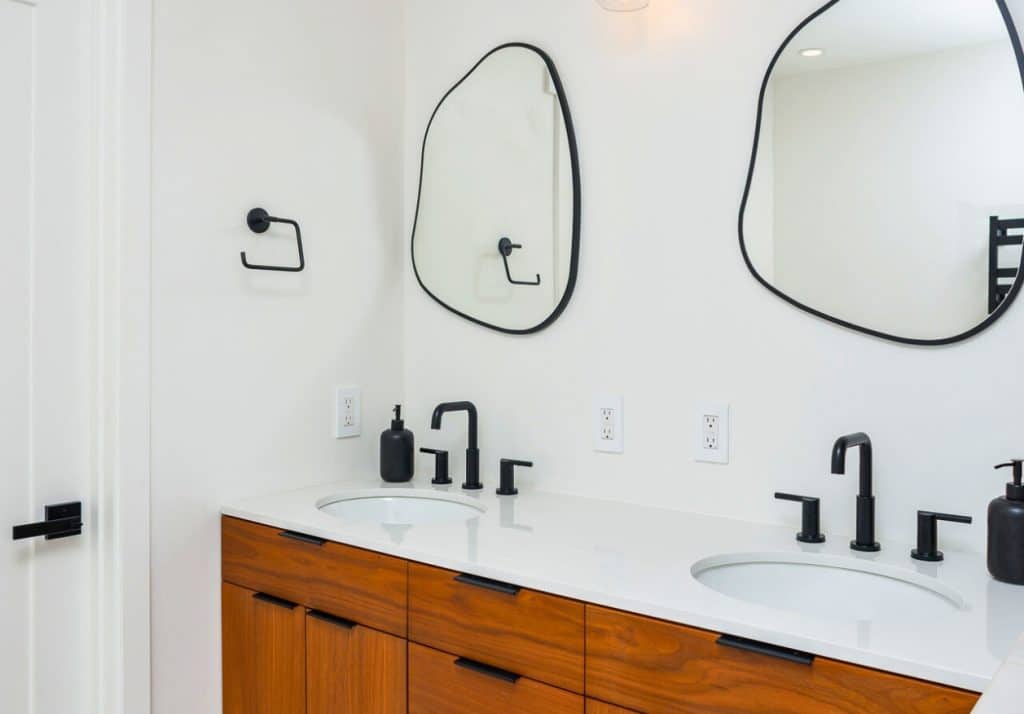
(623, 5)
(812, 52)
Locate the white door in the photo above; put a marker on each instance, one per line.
(48, 359)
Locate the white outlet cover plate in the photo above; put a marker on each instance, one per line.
(341, 429)
(711, 456)
(615, 444)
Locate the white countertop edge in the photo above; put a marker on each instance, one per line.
(1003, 696)
(909, 668)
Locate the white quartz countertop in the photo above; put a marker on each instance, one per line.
(639, 559)
(1006, 693)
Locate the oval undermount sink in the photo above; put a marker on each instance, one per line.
(833, 587)
(389, 508)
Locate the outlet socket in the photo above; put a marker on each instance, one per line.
(608, 423)
(347, 412)
(712, 433)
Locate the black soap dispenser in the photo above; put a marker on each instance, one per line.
(397, 446)
(1006, 530)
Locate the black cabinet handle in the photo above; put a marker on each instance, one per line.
(763, 648)
(271, 600)
(303, 538)
(486, 669)
(333, 619)
(488, 584)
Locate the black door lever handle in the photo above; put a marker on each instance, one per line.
(61, 520)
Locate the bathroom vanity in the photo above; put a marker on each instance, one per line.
(500, 604)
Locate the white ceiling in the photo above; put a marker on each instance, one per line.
(857, 32)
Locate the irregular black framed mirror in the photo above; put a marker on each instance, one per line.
(496, 237)
(885, 190)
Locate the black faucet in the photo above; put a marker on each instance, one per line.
(473, 452)
(810, 527)
(865, 540)
(928, 534)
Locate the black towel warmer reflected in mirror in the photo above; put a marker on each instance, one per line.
(999, 237)
(259, 221)
(505, 248)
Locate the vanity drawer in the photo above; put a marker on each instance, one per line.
(356, 584)
(595, 706)
(531, 633)
(446, 684)
(651, 665)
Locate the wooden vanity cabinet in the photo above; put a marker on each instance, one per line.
(263, 653)
(657, 666)
(596, 706)
(315, 627)
(280, 658)
(531, 633)
(310, 626)
(442, 683)
(351, 669)
(364, 586)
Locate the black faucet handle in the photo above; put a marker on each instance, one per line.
(441, 477)
(928, 534)
(810, 527)
(507, 482)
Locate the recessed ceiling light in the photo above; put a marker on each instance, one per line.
(623, 5)
(812, 52)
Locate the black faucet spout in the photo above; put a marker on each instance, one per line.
(473, 451)
(865, 540)
(843, 443)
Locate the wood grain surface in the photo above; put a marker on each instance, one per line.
(656, 666)
(356, 584)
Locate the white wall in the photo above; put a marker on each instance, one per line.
(666, 313)
(294, 106)
(886, 175)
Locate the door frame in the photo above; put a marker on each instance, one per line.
(120, 603)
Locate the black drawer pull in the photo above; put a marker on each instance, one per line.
(503, 674)
(763, 648)
(270, 599)
(488, 584)
(334, 620)
(303, 538)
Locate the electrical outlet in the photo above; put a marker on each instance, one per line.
(347, 412)
(712, 442)
(608, 424)
(710, 433)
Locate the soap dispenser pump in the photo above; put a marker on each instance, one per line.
(1006, 530)
(397, 447)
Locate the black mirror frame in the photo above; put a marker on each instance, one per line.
(576, 202)
(1015, 41)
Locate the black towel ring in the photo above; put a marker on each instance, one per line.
(259, 221)
(505, 247)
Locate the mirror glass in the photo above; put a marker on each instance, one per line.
(496, 238)
(886, 189)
